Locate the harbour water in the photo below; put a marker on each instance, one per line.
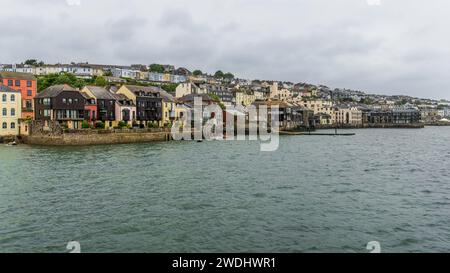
(315, 194)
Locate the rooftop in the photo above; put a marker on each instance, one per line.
(55, 90)
(17, 75)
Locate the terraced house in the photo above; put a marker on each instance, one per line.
(10, 111)
(61, 103)
(148, 101)
(106, 104)
(26, 84)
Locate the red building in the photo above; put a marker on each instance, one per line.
(26, 84)
(90, 108)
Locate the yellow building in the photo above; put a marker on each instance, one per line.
(11, 111)
(320, 106)
(245, 97)
(168, 108)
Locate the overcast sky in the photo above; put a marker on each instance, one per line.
(398, 47)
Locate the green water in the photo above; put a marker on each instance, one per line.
(314, 194)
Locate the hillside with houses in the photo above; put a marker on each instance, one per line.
(84, 95)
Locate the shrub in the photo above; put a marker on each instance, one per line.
(85, 124)
(122, 124)
(100, 125)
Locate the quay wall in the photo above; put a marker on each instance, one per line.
(379, 126)
(96, 137)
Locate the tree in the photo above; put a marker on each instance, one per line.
(228, 76)
(100, 81)
(32, 62)
(65, 78)
(197, 73)
(108, 73)
(219, 75)
(217, 100)
(156, 68)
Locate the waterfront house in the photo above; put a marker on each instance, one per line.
(397, 116)
(168, 108)
(290, 115)
(125, 109)
(90, 108)
(347, 115)
(10, 107)
(189, 101)
(148, 102)
(106, 104)
(26, 84)
(61, 103)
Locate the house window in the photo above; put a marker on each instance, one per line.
(64, 100)
(10, 82)
(17, 82)
(13, 112)
(4, 125)
(29, 93)
(70, 101)
(13, 125)
(4, 98)
(29, 84)
(13, 98)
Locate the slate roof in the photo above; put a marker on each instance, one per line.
(101, 93)
(4, 88)
(146, 89)
(55, 90)
(17, 75)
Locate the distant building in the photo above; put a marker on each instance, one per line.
(347, 115)
(395, 116)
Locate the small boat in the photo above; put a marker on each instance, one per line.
(14, 143)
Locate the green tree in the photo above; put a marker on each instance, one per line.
(217, 100)
(100, 81)
(219, 75)
(156, 68)
(228, 76)
(65, 78)
(107, 74)
(197, 73)
(33, 62)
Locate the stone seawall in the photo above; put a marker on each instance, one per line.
(375, 126)
(94, 137)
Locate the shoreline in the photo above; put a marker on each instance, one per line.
(129, 136)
